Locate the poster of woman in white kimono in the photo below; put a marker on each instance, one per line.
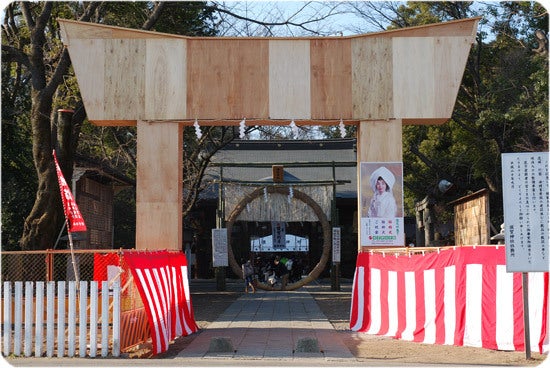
(382, 204)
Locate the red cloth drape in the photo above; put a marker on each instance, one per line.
(458, 296)
(161, 279)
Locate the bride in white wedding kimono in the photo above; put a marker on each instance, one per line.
(383, 203)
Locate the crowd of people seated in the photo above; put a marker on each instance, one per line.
(279, 269)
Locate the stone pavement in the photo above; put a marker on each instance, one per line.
(271, 325)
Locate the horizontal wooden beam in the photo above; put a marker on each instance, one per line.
(264, 122)
(411, 74)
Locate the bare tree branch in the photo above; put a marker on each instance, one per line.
(306, 18)
(154, 16)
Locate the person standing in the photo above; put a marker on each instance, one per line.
(281, 271)
(248, 273)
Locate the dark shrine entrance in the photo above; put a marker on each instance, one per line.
(254, 240)
(278, 190)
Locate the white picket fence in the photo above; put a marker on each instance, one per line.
(25, 329)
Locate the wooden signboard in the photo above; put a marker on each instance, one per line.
(472, 221)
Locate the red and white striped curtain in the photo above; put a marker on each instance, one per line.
(161, 279)
(457, 296)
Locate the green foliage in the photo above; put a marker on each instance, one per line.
(21, 79)
(18, 174)
(502, 105)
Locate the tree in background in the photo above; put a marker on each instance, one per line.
(502, 105)
(36, 70)
(37, 80)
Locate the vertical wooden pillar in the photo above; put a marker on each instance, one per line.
(159, 185)
(377, 141)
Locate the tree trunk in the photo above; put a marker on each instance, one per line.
(44, 222)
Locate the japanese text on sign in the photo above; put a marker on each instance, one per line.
(219, 248)
(526, 200)
(336, 233)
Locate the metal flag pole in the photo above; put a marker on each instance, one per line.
(73, 217)
(76, 278)
(525, 287)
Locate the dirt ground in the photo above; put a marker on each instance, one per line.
(208, 304)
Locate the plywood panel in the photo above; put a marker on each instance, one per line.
(159, 163)
(413, 77)
(461, 27)
(88, 59)
(227, 79)
(451, 54)
(394, 75)
(165, 79)
(124, 78)
(157, 226)
(372, 78)
(71, 29)
(159, 185)
(289, 79)
(380, 141)
(330, 78)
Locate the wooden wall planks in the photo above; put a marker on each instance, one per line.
(410, 74)
(289, 79)
(88, 59)
(448, 58)
(379, 141)
(472, 225)
(159, 185)
(124, 78)
(331, 83)
(227, 79)
(372, 88)
(165, 78)
(413, 77)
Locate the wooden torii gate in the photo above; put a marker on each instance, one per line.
(162, 82)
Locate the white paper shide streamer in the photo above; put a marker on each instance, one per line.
(342, 129)
(290, 194)
(242, 127)
(294, 129)
(197, 129)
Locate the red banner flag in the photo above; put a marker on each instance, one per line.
(75, 222)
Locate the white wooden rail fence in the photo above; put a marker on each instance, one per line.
(20, 330)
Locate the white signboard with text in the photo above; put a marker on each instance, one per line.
(293, 243)
(278, 229)
(219, 248)
(336, 244)
(525, 197)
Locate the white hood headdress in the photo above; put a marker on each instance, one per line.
(384, 173)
